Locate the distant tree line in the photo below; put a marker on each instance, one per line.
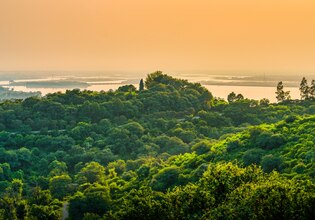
(306, 91)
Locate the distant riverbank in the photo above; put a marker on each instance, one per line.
(250, 86)
(251, 92)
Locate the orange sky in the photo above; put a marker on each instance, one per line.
(254, 35)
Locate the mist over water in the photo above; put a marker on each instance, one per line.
(252, 86)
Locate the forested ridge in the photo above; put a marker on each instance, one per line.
(168, 150)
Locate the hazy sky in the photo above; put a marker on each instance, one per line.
(254, 35)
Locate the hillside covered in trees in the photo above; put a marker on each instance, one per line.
(168, 150)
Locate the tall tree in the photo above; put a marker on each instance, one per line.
(312, 90)
(282, 95)
(141, 85)
(304, 89)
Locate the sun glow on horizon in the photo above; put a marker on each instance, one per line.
(264, 35)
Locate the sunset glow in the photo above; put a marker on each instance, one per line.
(268, 35)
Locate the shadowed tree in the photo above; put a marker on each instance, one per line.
(282, 95)
(91, 173)
(312, 89)
(141, 85)
(127, 88)
(231, 97)
(304, 89)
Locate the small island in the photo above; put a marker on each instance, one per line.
(51, 84)
(9, 94)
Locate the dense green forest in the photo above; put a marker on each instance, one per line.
(168, 150)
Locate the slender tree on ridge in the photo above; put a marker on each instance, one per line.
(312, 90)
(141, 85)
(282, 95)
(304, 89)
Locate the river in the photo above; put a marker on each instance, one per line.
(218, 85)
(251, 92)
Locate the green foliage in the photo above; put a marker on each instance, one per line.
(264, 102)
(285, 200)
(270, 163)
(253, 156)
(94, 199)
(127, 88)
(91, 173)
(59, 186)
(202, 147)
(171, 145)
(268, 140)
(169, 151)
(166, 178)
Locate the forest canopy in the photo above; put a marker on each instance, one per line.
(168, 150)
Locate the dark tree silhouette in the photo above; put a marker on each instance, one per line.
(312, 90)
(141, 85)
(282, 95)
(304, 89)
